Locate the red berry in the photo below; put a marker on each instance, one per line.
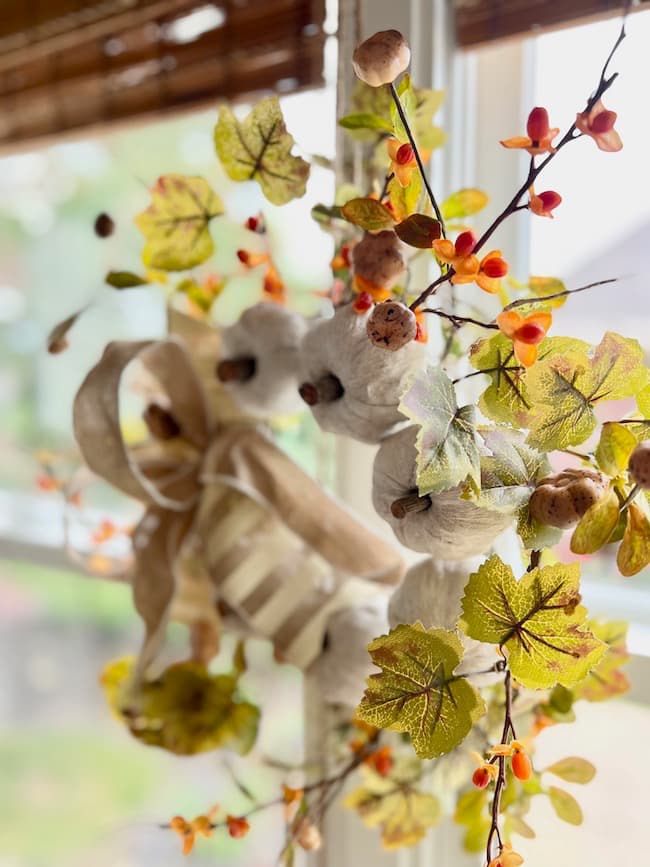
(345, 254)
(363, 302)
(243, 256)
(495, 267)
(104, 226)
(521, 766)
(538, 125)
(252, 223)
(405, 155)
(465, 243)
(603, 122)
(481, 777)
(382, 761)
(531, 333)
(237, 827)
(550, 199)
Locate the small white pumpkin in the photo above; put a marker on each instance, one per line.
(353, 387)
(259, 360)
(445, 526)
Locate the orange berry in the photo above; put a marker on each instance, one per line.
(465, 243)
(238, 827)
(521, 766)
(381, 761)
(405, 155)
(495, 267)
(481, 777)
(363, 302)
(531, 333)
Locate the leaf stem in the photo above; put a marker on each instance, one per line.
(626, 502)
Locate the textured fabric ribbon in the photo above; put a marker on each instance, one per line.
(229, 518)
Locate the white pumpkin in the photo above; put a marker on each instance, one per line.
(448, 527)
(259, 360)
(353, 387)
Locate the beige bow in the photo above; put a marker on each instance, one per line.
(229, 518)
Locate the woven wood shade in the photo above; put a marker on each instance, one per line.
(68, 64)
(482, 21)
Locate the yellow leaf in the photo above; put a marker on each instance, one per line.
(634, 550)
(463, 204)
(596, 525)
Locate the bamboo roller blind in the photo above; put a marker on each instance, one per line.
(482, 21)
(68, 64)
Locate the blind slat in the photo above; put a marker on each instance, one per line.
(483, 21)
(263, 45)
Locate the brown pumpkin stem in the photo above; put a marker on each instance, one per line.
(161, 423)
(236, 369)
(327, 389)
(411, 503)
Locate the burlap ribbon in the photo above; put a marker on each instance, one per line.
(229, 518)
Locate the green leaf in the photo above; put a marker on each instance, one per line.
(615, 447)
(185, 711)
(471, 811)
(537, 620)
(596, 525)
(419, 231)
(259, 148)
(563, 389)
(124, 280)
(518, 826)
(543, 286)
(643, 401)
(416, 691)
(634, 551)
(368, 213)
(175, 225)
(462, 204)
(404, 200)
(573, 769)
(606, 680)
(565, 805)
(365, 120)
(506, 399)
(395, 805)
(446, 443)
(508, 478)
(326, 213)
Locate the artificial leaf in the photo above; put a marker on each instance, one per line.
(616, 445)
(541, 287)
(508, 478)
(259, 148)
(175, 225)
(419, 231)
(417, 692)
(446, 442)
(573, 769)
(57, 339)
(596, 525)
(634, 551)
(606, 680)
(518, 826)
(564, 388)
(394, 804)
(462, 204)
(404, 200)
(368, 213)
(643, 401)
(506, 399)
(565, 805)
(365, 120)
(186, 710)
(326, 213)
(471, 811)
(124, 280)
(537, 620)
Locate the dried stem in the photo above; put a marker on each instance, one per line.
(508, 729)
(458, 321)
(534, 170)
(418, 158)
